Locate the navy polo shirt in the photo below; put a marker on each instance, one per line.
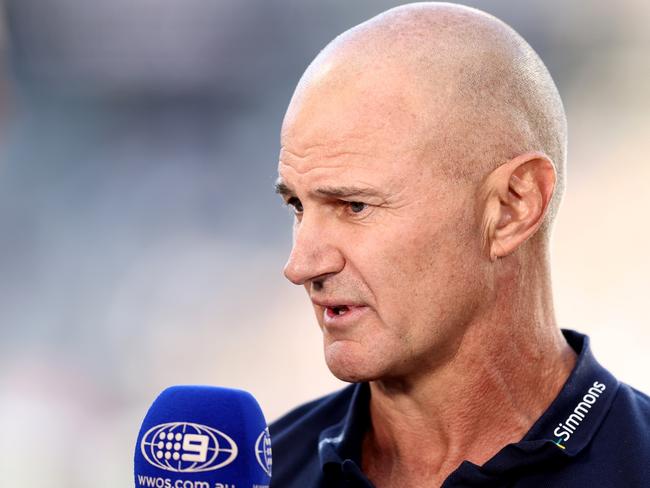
(596, 433)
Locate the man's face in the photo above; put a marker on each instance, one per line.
(385, 246)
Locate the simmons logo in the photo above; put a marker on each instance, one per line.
(263, 451)
(565, 429)
(183, 447)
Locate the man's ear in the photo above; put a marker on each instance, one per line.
(515, 198)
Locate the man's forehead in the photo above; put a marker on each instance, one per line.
(351, 110)
(331, 126)
(324, 171)
(349, 142)
(343, 162)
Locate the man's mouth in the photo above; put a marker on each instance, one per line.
(341, 314)
(337, 310)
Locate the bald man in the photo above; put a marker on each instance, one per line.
(423, 153)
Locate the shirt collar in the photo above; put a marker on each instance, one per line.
(574, 416)
(567, 426)
(342, 441)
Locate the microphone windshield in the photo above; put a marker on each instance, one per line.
(203, 437)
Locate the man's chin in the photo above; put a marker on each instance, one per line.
(348, 362)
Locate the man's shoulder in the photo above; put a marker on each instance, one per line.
(313, 416)
(620, 449)
(631, 409)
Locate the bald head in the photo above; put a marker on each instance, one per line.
(455, 84)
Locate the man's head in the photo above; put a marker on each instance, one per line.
(421, 150)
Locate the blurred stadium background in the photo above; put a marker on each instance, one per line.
(141, 244)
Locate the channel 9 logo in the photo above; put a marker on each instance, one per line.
(184, 447)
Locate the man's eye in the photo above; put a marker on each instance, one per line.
(357, 207)
(296, 204)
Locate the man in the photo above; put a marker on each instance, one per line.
(423, 153)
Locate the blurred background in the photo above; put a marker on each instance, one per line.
(141, 243)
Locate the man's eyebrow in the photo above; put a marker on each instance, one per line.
(281, 188)
(330, 191)
(347, 191)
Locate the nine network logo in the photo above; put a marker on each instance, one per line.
(184, 447)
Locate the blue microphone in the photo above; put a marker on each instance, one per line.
(203, 437)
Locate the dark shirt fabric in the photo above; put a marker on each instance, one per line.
(596, 434)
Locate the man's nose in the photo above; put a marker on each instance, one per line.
(314, 253)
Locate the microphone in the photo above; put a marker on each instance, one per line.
(203, 437)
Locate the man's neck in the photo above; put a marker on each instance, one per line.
(498, 383)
